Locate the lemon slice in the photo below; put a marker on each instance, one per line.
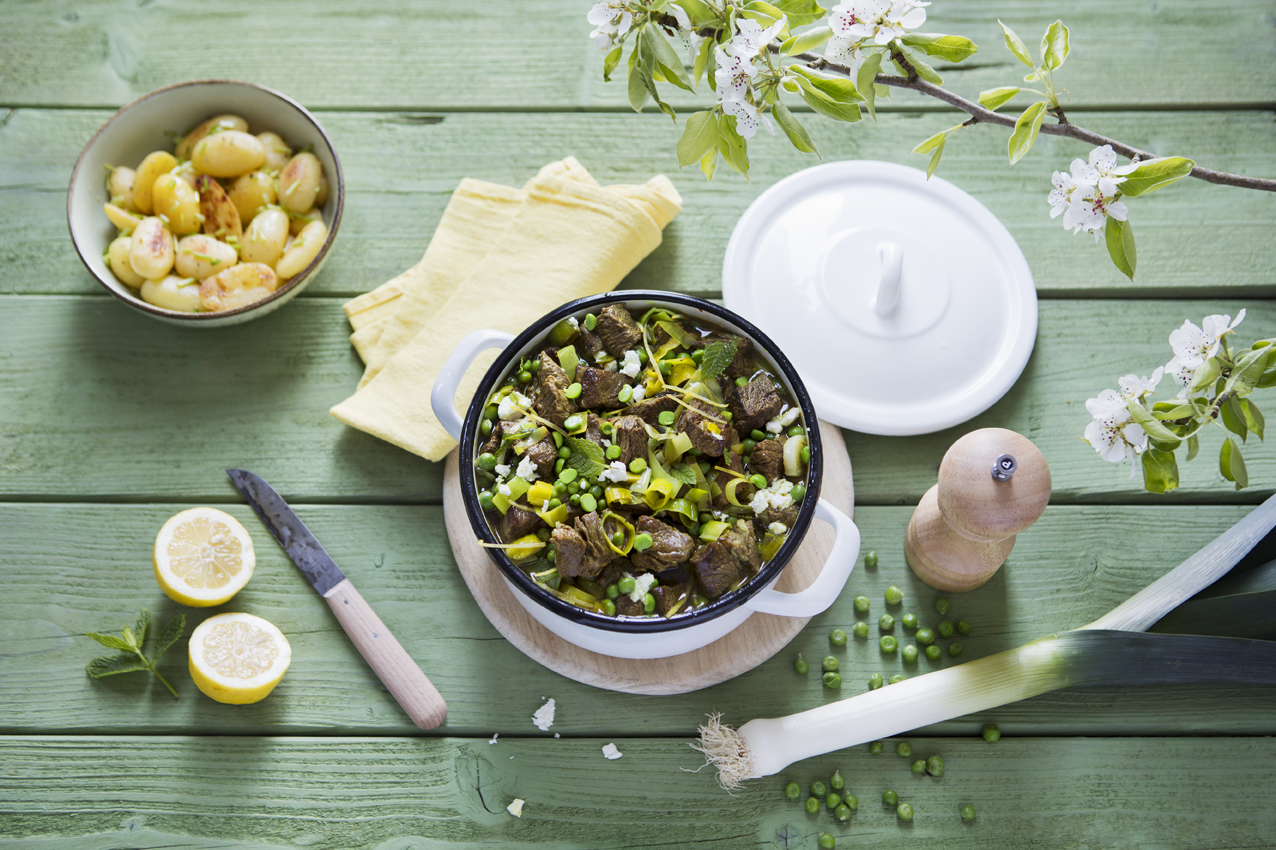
(238, 658)
(203, 557)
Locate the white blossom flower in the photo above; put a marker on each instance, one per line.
(1193, 346)
(1102, 164)
(860, 20)
(1061, 197)
(1111, 432)
(690, 37)
(1092, 206)
(845, 51)
(1134, 388)
(610, 19)
(751, 38)
(734, 83)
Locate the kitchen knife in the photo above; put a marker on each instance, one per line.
(390, 661)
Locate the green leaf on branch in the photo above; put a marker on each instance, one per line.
(1247, 372)
(926, 72)
(1026, 129)
(1234, 418)
(732, 145)
(1167, 412)
(835, 89)
(637, 88)
(1120, 239)
(1156, 174)
(666, 58)
(1016, 45)
(935, 145)
(1193, 446)
(610, 63)
(698, 138)
(1232, 464)
(1160, 471)
(1205, 376)
(1153, 427)
(1254, 420)
(702, 59)
(709, 163)
(699, 11)
(951, 48)
(864, 81)
(804, 41)
(1054, 46)
(800, 12)
(848, 112)
(996, 97)
(793, 129)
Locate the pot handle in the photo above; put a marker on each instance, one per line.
(824, 591)
(443, 396)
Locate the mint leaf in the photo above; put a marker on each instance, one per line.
(684, 473)
(587, 459)
(113, 664)
(110, 641)
(171, 634)
(717, 357)
(130, 643)
(143, 623)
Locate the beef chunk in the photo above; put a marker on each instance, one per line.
(669, 547)
(614, 571)
(626, 607)
(518, 523)
(716, 569)
(785, 516)
(598, 387)
(588, 345)
(551, 400)
(754, 403)
(597, 553)
(742, 543)
(543, 454)
(742, 364)
(650, 408)
(618, 330)
(667, 596)
(705, 433)
(499, 430)
(768, 459)
(630, 434)
(569, 551)
(594, 430)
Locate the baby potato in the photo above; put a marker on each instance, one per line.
(302, 251)
(178, 202)
(299, 182)
(277, 151)
(119, 186)
(223, 122)
(238, 286)
(251, 193)
(321, 197)
(298, 221)
(201, 256)
(221, 219)
(117, 259)
(173, 293)
(229, 153)
(122, 219)
(155, 164)
(185, 172)
(151, 251)
(264, 240)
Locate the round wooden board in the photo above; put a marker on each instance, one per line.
(753, 642)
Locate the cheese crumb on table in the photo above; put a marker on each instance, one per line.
(495, 735)
(544, 716)
(516, 808)
(611, 752)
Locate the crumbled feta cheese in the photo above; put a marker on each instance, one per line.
(574, 322)
(556, 735)
(611, 752)
(776, 528)
(544, 716)
(527, 469)
(639, 394)
(501, 469)
(789, 416)
(611, 366)
(616, 472)
(516, 808)
(774, 426)
(503, 489)
(642, 584)
(509, 410)
(631, 364)
(774, 496)
(495, 735)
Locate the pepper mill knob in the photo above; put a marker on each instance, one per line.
(993, 484)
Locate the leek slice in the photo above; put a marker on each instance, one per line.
(623, 525)
(712, 529)
(793, 455)
(569, 360)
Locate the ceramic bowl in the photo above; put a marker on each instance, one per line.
(140, 128)
(648, 637)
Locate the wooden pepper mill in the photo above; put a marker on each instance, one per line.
(993, 484)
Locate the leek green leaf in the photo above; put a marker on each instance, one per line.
(610, 63)
(587, 458)
(1120, 238)
(1016, 45)
(793, 129)
(1156, 174)
(1254, 420)
(699, 137)
(1234, 418)
(804, 41)
(732, 145)
(836, 89)
(951, 48)
(865, 81)
(996, 97)
(717, 357)
(1232, 465)
(1054, 46)
(1193, 446)
(1026, 129)
(1160, 471)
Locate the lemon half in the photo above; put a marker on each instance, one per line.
(238, 658)
(203, 557)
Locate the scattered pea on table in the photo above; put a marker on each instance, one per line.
(909, 654)
(830, 664)
(793, 790)
(943, 606)
(812, 805)
(799, 665)
(897, 678)
(968, 813)
(933, 653)
(925, 636)
(819, 789)
(894, 595)
(851, 801)
(904, 812)
(832, 801)
(861, 604)
(992, 733)
(860, 629)
(837, 637)
(963, 627)
(837, 783)
(870, 560)
(842, 812)
(954, 649)
(919, 766)
(945, 629)
(888, 644)
(875, 681)
(886, 622)
(826, 841)
(890, 798)
(935, 766)
(904, 749)
(833, 681)
(909, 620)
(875, 748)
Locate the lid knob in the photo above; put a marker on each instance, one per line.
(892, 257)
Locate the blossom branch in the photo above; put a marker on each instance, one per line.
(981, 114)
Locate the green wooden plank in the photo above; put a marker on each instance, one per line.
(68, 569)
(442, 54)
(102, 402)
(403, 794)
(1194, 238)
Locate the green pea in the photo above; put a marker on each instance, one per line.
(626, 583)
(832, 680)
(919, 766)
(833, 801)
(861, 604)
(945, 629)
(933, 653)
(487, 461)
(490, 412)
(925, 637)
(666, 417)
(805, 454)
(558, 466)
(485, 501)
(904, 812)
(909, 654)
(954, 649)
(798, 492)
(524, 377)
(870, 560)
(748, 446)
(935, 766)
(818, 789)
(992, 733)
(837, 783)
(909, 620)
(812, 805)
(757, 436)
(851, 802)
(796, 431)
(875, 681)
(642, 356)
(759, 481)
(534, 366)
(897, 678)
(648, 603)
(560, 488)
(485, 427)
(697, 355)
(826, 841)
(875, 748)
(543, 535)
(568, 475)
(741, 381)
(637, 465)
(860, 629)
(574, 500)
(888, 644)
(801, 665)
(904, 749)
(596, 492)
(886, 622)
(842, 812)
(968, 812)
(829, 664)
(553, 503)
(894, 595)
(837, 637)
(626, 394)
(588, 503)
(564, 452)
(609, 607)
(890, 798)
(793, 790)
(613, 592)
(591, 321)
(572, 391)
(963, 627)
(943, 606)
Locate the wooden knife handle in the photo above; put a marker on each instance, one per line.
(387, 658)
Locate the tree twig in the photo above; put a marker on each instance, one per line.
(980, 114)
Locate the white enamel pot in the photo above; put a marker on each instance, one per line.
(647, 637)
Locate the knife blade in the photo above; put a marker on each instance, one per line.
(410, 687)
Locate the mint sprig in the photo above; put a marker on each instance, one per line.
(130, 644)
(717, 357)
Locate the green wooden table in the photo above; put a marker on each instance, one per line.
(111, 422)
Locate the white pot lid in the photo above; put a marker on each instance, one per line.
(905, 305)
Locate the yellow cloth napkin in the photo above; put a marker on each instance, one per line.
(500, 259)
